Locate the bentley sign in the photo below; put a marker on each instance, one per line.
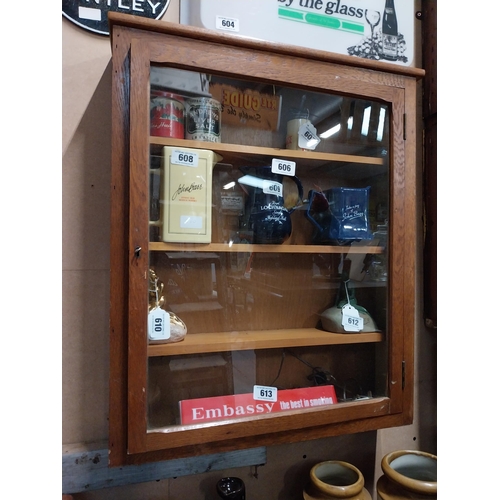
(92, 15)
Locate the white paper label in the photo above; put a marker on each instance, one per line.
(158, 324)
(307, 136)
(232, 202)
(351, 320)
(272, 187)
(265, 393)
(283, 167)
(191, 222)
(186, 158)
(227, 23)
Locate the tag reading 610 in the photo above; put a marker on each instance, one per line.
(158, 324)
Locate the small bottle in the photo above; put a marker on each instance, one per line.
(231, 488)
(390, 32)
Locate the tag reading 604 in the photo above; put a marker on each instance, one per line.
(227, 23)
(283, 167)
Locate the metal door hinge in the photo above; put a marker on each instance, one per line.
(403, 370)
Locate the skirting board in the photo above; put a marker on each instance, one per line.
(88, 470)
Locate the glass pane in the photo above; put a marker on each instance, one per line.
(268, 249)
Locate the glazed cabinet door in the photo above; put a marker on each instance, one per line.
(270, 247)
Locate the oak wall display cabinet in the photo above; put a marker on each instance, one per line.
(263, 242)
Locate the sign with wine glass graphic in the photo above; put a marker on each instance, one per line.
(385, 43)
(381, 30)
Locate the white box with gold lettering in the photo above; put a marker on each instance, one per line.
(350, 27)
(186, 195)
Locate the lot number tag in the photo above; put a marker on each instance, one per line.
(187, 158)
(158, 324)
(272, 187)
(283, 167)
(351, 320)
(265, 393)
(227, 23)
(307, 136)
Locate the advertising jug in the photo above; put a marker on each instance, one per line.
(267, 214)
(339, 215)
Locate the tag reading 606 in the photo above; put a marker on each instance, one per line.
(283, 167)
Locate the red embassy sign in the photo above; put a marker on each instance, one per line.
(202, 410)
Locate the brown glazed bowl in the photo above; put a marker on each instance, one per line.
(415, 471)
(337, 479)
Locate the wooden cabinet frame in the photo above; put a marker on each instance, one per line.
(136, 43)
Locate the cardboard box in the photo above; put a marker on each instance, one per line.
(186, 197)
(247, 108)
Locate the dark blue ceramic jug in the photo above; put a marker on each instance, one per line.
(339, 215)
(266, 215)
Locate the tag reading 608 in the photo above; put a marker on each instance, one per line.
(283, 167)
(187, 158)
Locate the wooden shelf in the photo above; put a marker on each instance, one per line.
(263, 339)
(225, 247)
(232, 151)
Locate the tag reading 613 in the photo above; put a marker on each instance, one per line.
(265, 393)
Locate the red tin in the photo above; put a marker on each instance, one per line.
(166, 112)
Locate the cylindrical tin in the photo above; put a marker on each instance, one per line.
(292, 132)
(166, 114)
(203, 119)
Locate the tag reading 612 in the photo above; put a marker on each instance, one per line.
(357, 322)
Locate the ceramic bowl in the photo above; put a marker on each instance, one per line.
(415, 471)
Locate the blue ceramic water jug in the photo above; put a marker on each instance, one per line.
(266, 215)
(339, 215)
